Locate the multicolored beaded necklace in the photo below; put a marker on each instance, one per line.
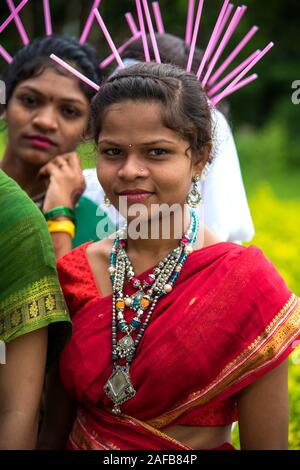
(157, 284)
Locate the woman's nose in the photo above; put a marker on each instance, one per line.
(132, 168)
(46, 119)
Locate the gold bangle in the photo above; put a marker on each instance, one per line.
(64, 226)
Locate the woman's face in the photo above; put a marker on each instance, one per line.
(46, 117)
(138, 154)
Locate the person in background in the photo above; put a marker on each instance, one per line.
(47, 111)
(33, 314)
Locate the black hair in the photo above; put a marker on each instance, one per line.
(32, 59)
(184, 105)
(172, 50)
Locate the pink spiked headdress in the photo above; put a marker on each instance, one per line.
(208, 71)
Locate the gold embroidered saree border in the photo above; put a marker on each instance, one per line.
(153, 430)
(35, 306)
(86, 438)
(265, 349)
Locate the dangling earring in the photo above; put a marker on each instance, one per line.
(106, 201)
(194, 197)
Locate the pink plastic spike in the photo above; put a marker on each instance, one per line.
(189, 22)
(106, 62)
(131, 23)
(212, 91)
(142, 29)
(245, 71)
(19, 24)
(75, 72)
(215, 100)
(221, 29)
(89, 22)
(230, 30)
(158, 18)
(108, 38)
(151, 31)
(47, 16)
(233, 55)
(211, 42)
(6, 56)
(195, 35)
(12, 15)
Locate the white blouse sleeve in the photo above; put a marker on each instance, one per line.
(225, 208)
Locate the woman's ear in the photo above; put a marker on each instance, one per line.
(204, 157)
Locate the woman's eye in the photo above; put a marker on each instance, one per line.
(29, 101)
(71, 112)
(112, 152)
(157, 152)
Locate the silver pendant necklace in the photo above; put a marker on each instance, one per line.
(119, 387)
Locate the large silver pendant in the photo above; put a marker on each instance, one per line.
(119, 387)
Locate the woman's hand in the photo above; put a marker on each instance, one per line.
(66, 181)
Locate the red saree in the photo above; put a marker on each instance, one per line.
(229, 319)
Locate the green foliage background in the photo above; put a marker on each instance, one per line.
(265, 121)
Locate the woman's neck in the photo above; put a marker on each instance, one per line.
(24, 174)
(157, 240)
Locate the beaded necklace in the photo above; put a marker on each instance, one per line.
(157, 284)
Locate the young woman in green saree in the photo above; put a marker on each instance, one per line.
(32, 314)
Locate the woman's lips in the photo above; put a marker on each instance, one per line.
(136, 197)
(40, 142)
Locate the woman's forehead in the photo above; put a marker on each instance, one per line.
(51, 83)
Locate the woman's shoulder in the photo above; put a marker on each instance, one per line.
(16, 207)
(247, 262)
(78, 257)
(76, 275)
(258, 276)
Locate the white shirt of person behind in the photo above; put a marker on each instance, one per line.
(224, 208)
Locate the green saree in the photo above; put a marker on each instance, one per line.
(30, 295)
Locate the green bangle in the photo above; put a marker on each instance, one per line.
(61, 211)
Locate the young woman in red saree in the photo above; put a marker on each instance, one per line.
(214, 348)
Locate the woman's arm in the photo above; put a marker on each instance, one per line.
(264, 411)
(21, 385)
(60, 414)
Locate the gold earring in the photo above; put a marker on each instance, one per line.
(194, 197)
(106, 201)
